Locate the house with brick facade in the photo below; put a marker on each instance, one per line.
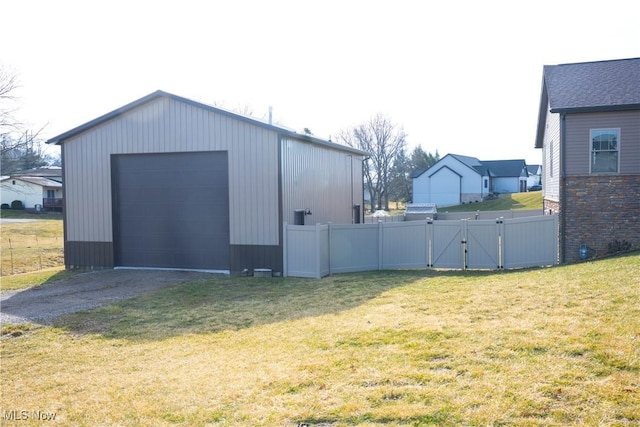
(589, 133)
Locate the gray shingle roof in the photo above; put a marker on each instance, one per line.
(601, 85)
(588, 86)
(505, 168)
(494, 168)
(38, 180)
(472, 162)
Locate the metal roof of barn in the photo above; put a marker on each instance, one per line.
(162, 94)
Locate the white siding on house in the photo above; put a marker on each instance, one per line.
(446, 182)
(420, 189)
(551, 157)
(506, 185)
(29, 194)
(535, 176)
(313, 178)
(168, 125)
(444, 187)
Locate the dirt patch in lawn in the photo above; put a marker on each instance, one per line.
(42, 304)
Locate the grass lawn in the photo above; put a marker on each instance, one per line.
(542, 347)
(27, 280)
(31, 246)
(530, 200)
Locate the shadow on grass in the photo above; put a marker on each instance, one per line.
(35, 279)
(62, 274)
(219, 304)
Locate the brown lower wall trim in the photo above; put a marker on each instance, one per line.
(250, 257)
(88, 255)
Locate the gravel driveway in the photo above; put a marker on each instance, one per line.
(41, 304)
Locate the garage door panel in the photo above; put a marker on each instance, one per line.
(147, 234)
(172, 210)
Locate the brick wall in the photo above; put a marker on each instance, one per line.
(550, 206)
(600, 210)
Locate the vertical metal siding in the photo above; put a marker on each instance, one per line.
(314, 178)
(167, 125)
(578, 145)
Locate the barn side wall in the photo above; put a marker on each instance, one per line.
(313, 179)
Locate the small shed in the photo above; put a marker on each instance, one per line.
(420, 211)
(168, 182)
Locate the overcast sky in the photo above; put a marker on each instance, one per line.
(461, 77)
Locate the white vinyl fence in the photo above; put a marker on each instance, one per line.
(324, 249)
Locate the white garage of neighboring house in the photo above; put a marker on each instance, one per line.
(167, 182)
(34, 192)
(452, 180)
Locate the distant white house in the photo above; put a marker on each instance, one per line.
(32, 191)
(457, 179)
(535, 175)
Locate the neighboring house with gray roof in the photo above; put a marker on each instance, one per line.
(457, 179)
(53, 173)
(35, 192)
(508, 176)
(589, 133)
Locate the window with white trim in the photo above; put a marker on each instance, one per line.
(605, 146)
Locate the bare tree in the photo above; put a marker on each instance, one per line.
(383, 140)
(8, 86)
(19, 148)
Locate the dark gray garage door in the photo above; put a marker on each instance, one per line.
(171, 210)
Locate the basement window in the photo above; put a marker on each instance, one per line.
(604, 150)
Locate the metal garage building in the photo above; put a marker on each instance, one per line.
(167, 182)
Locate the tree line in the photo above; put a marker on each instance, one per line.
(389, 167)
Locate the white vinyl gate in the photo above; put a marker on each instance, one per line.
(324, 249)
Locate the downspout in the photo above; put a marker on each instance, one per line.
(364, 204)
(563, 191)
(353, 220)
(65, 231)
